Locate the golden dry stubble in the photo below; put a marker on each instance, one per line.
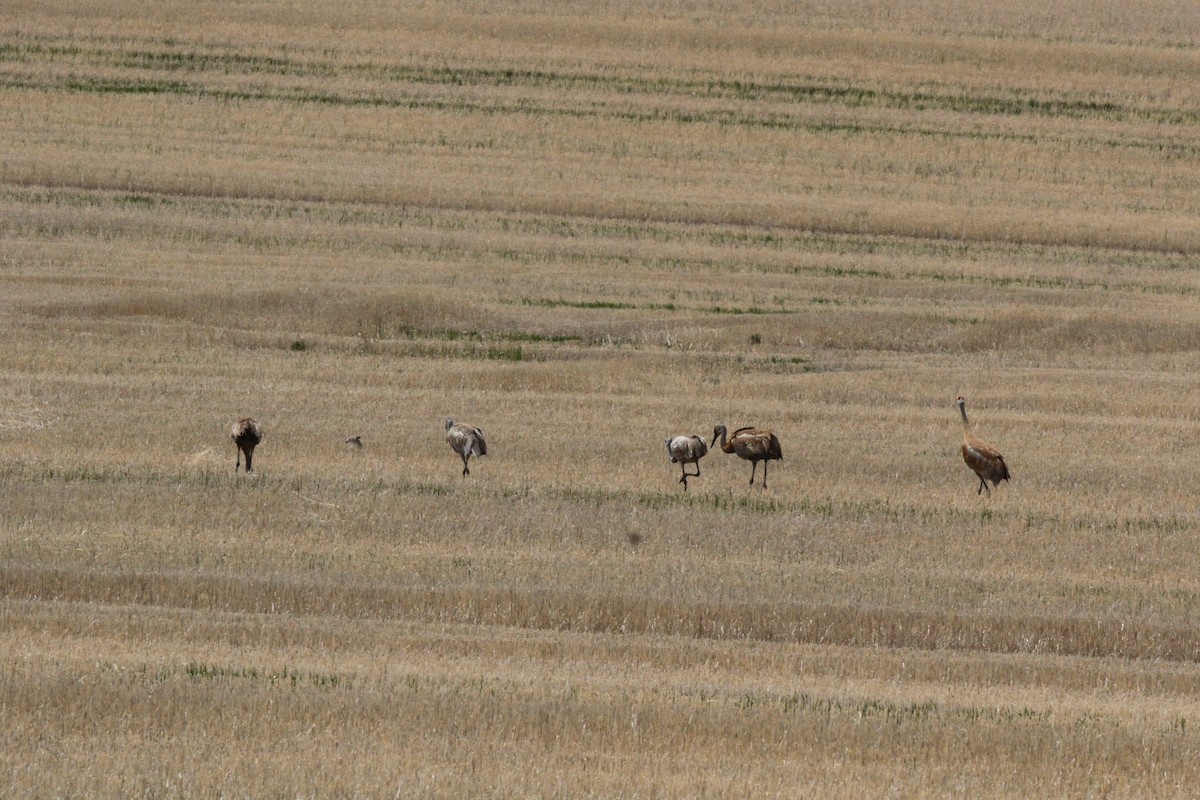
(583, 233)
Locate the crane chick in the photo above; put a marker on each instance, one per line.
(247, 435)
(467, 441)
(684, 450)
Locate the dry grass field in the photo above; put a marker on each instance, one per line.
(584, 227)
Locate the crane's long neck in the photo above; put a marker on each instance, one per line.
(962, 408)
(725, 446)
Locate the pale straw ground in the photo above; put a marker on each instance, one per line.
(585, 228)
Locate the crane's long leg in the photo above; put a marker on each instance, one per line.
(765, 473)
(753, 469)
(683, 468)
(466, 467)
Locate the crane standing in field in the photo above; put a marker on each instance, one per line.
(247, 435)
(467, 441)
(752, 444)
(685, 450)
(980, 456)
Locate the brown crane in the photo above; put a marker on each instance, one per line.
(684, 450)
(980, 456)
(467, 441)
(752, 444)
(247, 435)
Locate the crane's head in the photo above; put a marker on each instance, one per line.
(449, 424)
(962, 408)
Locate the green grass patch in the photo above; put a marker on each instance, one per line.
(610, 305)
(457, 335)
(284, 677)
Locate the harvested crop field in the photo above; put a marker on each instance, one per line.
(585, 228)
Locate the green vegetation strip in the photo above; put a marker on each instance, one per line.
(583, 611)
(879, 511)
(786, 93)
(783, 91)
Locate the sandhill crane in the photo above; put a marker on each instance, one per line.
(354, 441)
(467, 441)
(752, 444)
(247, 435)
(685, 450)
(980, 456)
